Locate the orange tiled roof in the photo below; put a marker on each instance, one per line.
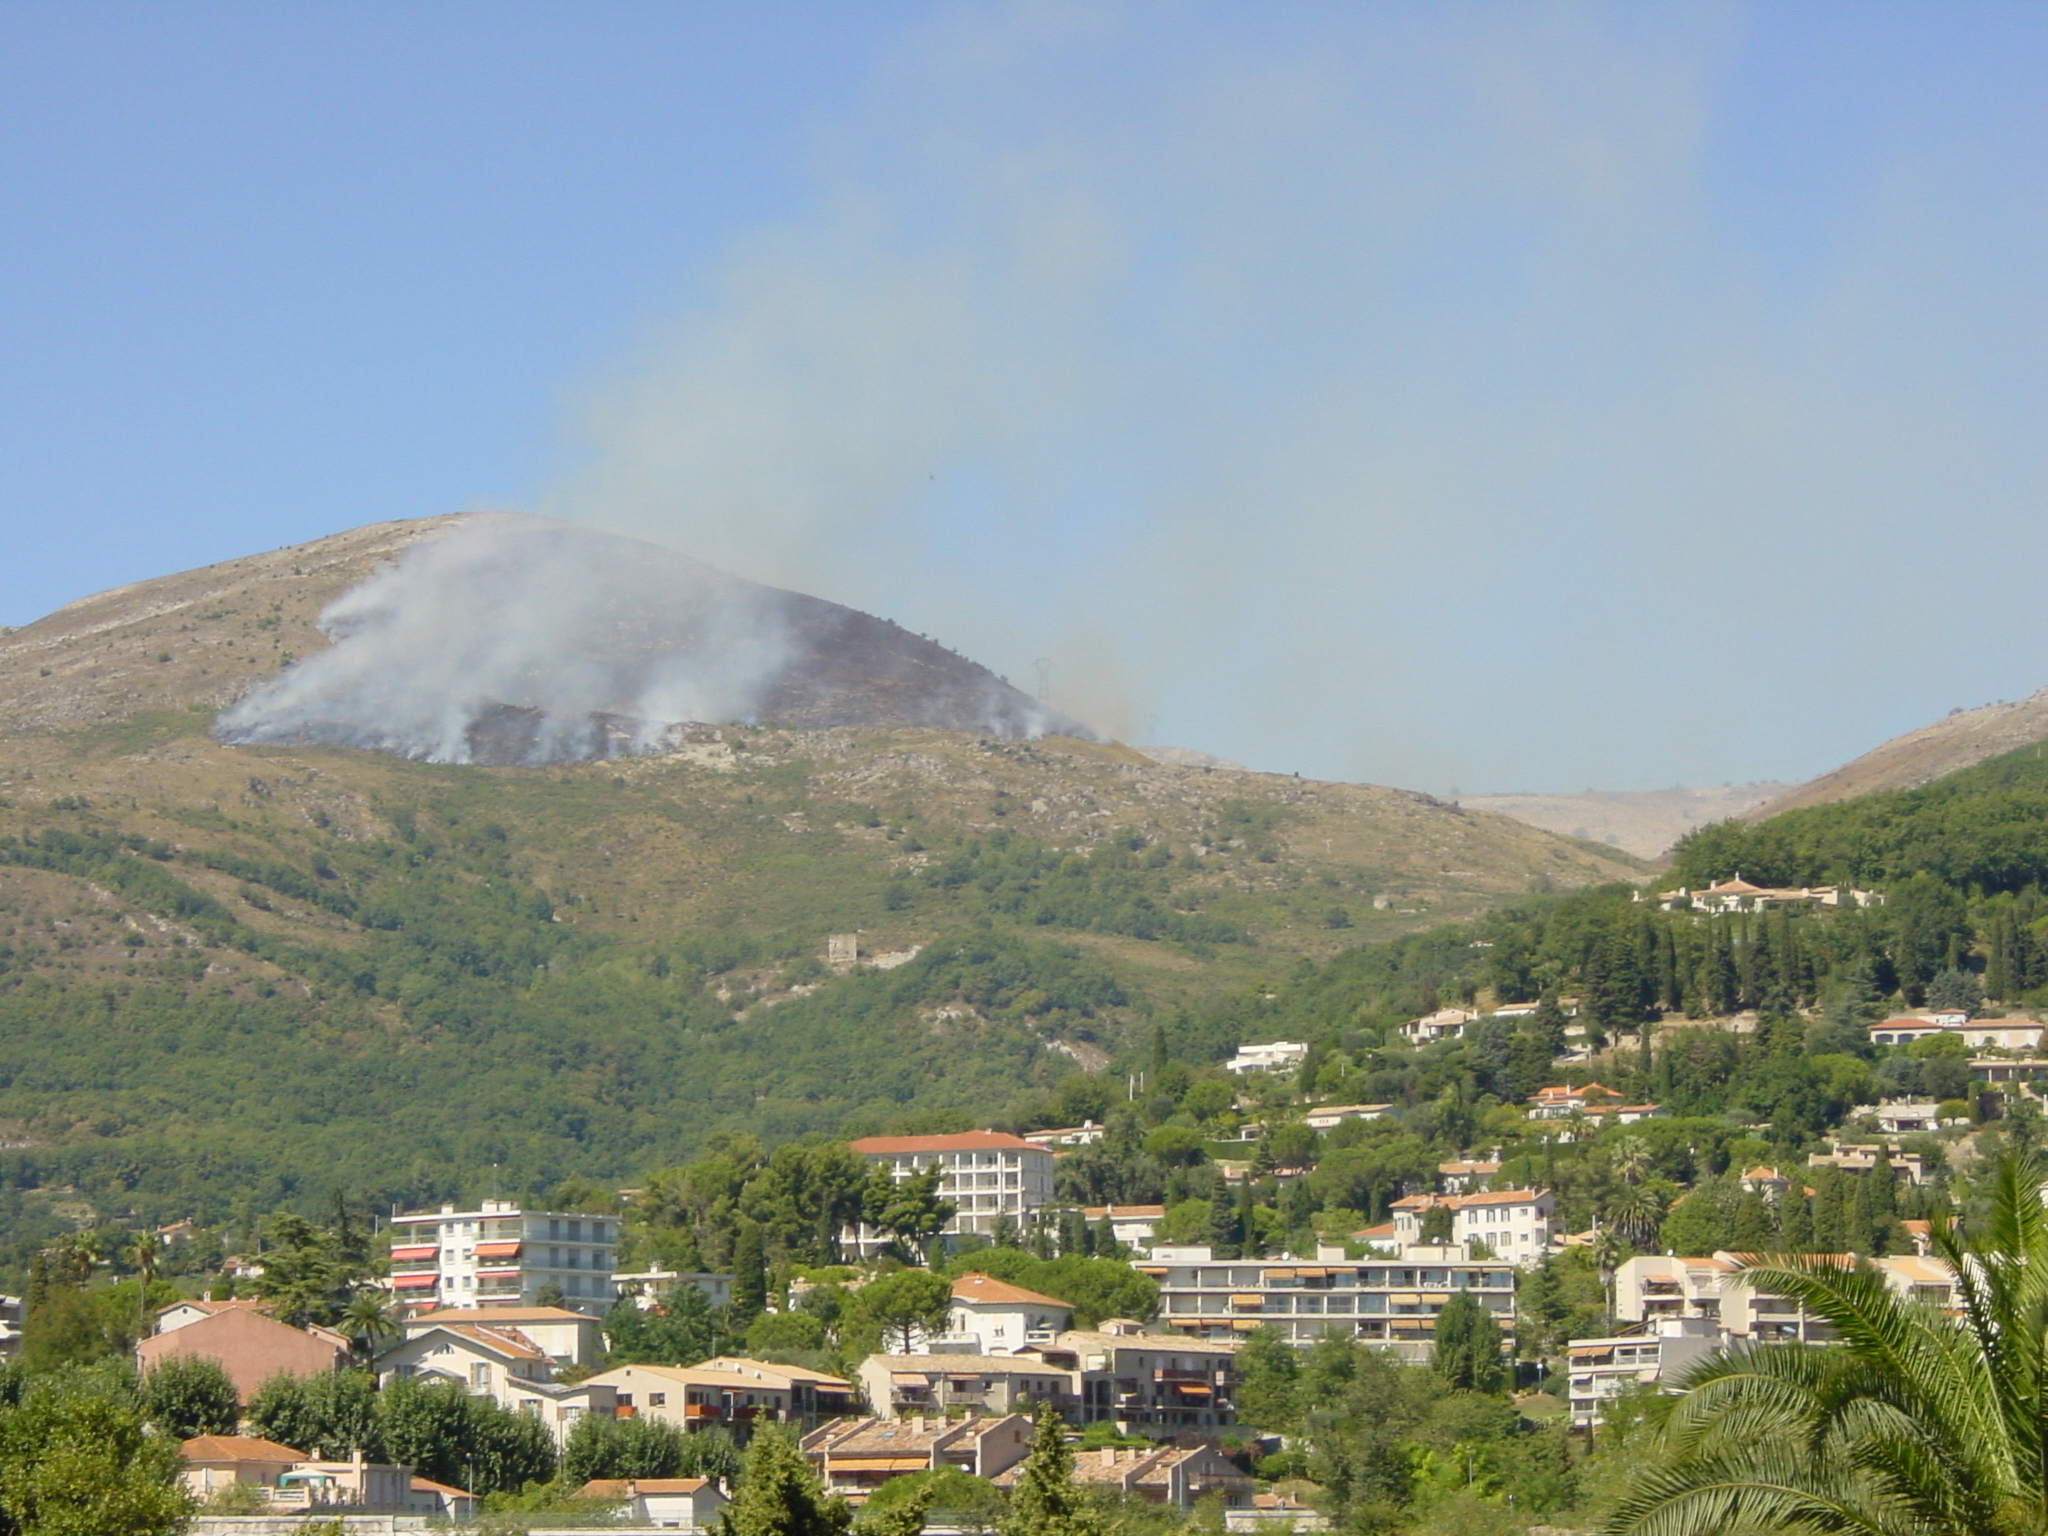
(986, 1288)
(963, 1141)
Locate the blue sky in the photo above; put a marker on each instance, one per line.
(1501, 397)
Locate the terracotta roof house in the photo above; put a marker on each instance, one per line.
(993, 1317)
(1172, 1475)
(250, 1347)
(672, 1503)
(856, 1456)
(214, 1463)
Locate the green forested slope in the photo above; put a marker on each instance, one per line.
(233, 978)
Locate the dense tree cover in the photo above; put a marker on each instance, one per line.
(77, 1457)
(187, 1395)
(433, 1426)
(1388, 1443)
(1122, 887)
(1983, 829)
(547, 1049)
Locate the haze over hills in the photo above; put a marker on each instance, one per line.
(1960, 739)
(229, 966)
(1642, 822)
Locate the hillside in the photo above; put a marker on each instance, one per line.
(253, 972)
(489, 638)
(1642, 822)
(1960, 739)
(1983, 829)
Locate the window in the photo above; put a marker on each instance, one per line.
(657, 1399)
(479, 1375)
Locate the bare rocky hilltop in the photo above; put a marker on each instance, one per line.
(626, 623)
(1961, 739)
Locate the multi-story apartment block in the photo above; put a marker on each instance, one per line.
(987, 1175)
(1652, 1287)
(1659, 1351)
(1387, 1301)
(1514, 1223)
(502, 1256)
(1152, 1384)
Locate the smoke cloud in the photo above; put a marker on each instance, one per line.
(514, 640)
(1369, 391)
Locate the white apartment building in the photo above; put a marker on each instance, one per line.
(1515, 1223)
(1275, 1056)
(987, 1175)
(500, 1255)
(1652, 1287)
(1328, 1117)
(1660, 1351)
(650, 1288)
(1388, 1301)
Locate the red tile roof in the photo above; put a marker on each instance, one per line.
(963, 1141)
(986, 1288)
(239, 1448)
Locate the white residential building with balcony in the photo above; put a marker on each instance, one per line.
(1660, 1352)
(1516, 1224)
(1275, 1056)
(986, 1175)
(1387, 1301)
(502, 1256)
(1652, 1287)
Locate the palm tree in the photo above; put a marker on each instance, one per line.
(142, 1253)
(1631, 1160)
(1916, 1423)
(367, 1319)
(1635, 1212)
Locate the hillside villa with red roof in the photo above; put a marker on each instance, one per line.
(989, 1176)
(993, 1317)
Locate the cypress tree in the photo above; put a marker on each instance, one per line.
(1045, 1501)
(1466, 1356)
(1861, 1224)
(1752, 1231)
(1827, 1211)
(1796, 1221)
(749, 1276)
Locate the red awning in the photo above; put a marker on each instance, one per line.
(407, 1255)
(497, 1250)
(414, 1282)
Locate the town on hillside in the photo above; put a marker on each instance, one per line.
(1159, 1273)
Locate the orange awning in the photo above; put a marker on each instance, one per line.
(877, 1464)
(497, 1250)
(1247, 1301)
(410, 1255)
(414, 1282)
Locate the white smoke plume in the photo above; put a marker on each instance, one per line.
(515, 640)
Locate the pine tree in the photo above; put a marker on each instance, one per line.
(1046, 1502)
(779, 1494)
